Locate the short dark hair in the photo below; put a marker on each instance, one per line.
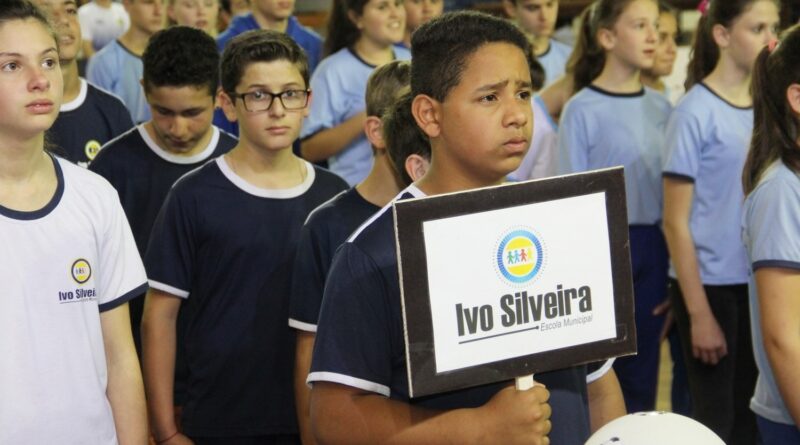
(22, 10)
(403, 136)
(440, 48)
(259, 46)
(385, 84)
(181, 56)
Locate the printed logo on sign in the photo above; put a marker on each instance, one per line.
(519, 256)
(81, 271)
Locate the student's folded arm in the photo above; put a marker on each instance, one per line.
(346, 415)
(125, 392)
(778, 290)
(159, 345)
(330, 141)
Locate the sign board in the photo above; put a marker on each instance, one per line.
(507, 281)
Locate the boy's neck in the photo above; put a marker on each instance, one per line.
(619, 77)
(270, 23)
(373, 53)
(449, 178)
(201, 145)
(540, 44)
(382, 184)
(652, 81)
(135, 40)
(103, 3)
(730, 82)
(267, 169)
(72, 81)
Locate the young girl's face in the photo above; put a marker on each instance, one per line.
(667, 48)
(750, 32)
(30, 78)
(382, 22)
(634, 36)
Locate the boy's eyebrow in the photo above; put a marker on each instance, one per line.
(13, 54)
(503, 84)
(260, 85)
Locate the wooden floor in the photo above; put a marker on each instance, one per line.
(664, 378)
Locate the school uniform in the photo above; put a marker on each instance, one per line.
(63, 265)
(226, 247)
(707, 144)
(541, 160)
(119, 71)
(339, 85)
(600, 129)
(771, 222)
(327, 227)
(554, 60)
(73, 138)
(360, 337)
(143, 173)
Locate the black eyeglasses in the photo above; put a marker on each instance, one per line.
(261, 100)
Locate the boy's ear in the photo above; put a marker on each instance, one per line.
(227, 105)
(416, 166)
(793, 97)
(721, 36)
(427, 112)
(373, 128)
(510, 9)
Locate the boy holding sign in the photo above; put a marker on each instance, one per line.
(472, 86)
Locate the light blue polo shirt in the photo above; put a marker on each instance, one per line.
(339, 85)
(707, 144)
(554, 60)
(117, 70)
(599, 129)
(771, 233)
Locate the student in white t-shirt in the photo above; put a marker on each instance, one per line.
(68, 263)
(102, 21)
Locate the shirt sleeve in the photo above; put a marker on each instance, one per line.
(573, 144)
(353, 345)
(99, 73)
(308, 278)
(171, 250)
(773, 224)
(684, 146)
(325, 112)
(120, 273)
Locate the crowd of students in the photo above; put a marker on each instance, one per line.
(260, 290)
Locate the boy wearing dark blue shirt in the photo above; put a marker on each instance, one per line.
(221, 251)
(83, 102)
(472, 85)
(180, 82)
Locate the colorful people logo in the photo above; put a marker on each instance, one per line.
(519, 256)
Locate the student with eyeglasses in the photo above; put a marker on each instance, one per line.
(222, 252)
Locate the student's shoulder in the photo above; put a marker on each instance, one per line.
(657, 99)
(778, 182)
(104, 99)
(195, 181)
(226, 142)
(340, 62)
(91, 186)
(327, 179)
(121, 148)
(300, 33)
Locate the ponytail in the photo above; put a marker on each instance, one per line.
(342, 32)
(775, 126)
(588, 58)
